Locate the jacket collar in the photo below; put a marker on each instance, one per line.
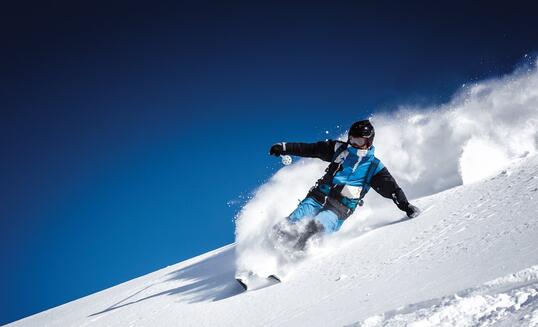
(354, 151)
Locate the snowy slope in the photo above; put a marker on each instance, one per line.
(471, 258)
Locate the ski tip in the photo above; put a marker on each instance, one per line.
(275, 278)
(242, 283)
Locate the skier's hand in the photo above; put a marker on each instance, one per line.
(277, 149)
(412, 211)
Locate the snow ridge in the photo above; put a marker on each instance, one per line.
(510, 300)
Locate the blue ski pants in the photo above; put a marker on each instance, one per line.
(310, 208)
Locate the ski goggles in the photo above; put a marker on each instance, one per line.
(360, 142)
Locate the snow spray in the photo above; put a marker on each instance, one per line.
(286, 160)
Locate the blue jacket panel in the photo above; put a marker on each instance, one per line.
(355, 168)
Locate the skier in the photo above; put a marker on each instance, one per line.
(353, 169)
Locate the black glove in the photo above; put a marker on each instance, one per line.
(277, 149)
(401, 201)
(412, 211)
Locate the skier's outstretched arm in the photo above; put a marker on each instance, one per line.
(386, 186)
(323, 150)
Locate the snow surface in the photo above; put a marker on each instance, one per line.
(470, 259)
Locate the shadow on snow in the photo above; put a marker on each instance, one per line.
(213, 279)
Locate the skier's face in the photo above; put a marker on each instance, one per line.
(361, 143)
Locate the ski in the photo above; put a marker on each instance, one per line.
(254, 282)
(275, 278)
(243, 284)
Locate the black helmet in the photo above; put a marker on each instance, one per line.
(361, 134)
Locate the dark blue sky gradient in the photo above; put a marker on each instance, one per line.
(126, 128)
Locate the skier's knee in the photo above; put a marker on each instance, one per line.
(312, 229)
(315, 227)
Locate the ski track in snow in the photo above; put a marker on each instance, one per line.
(470, 259)
(508, 301)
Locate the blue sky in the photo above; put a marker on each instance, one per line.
(126, 129)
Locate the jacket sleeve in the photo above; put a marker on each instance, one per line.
(384, 184)
(323, 150)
